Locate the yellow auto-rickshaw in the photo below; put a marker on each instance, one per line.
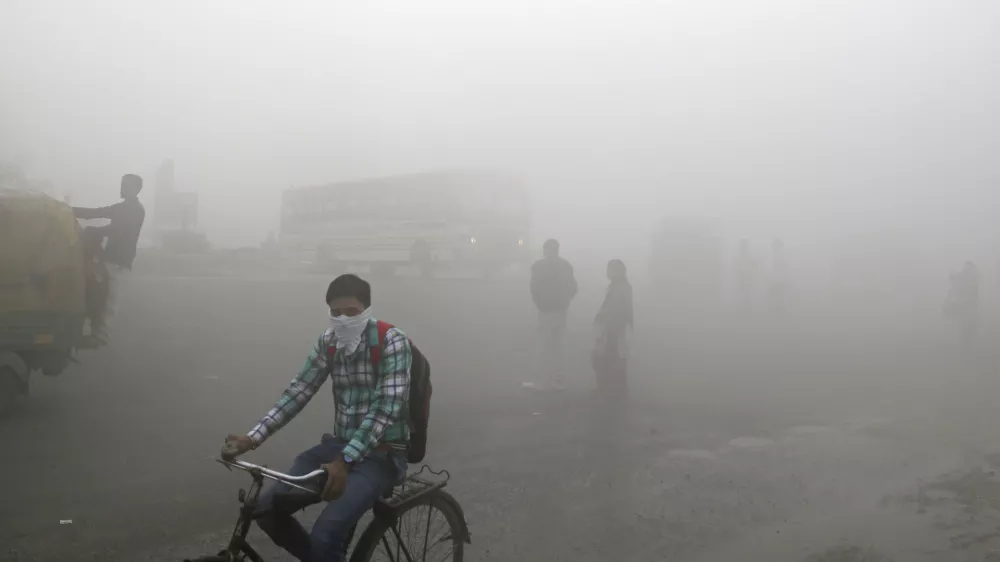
(43, 281)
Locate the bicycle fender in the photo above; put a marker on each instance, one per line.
(451, 501)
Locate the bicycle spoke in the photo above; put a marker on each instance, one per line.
(427, 534)
(406, 551)
(388, 550)
(447, 556)
(428, 544)
(418, 540)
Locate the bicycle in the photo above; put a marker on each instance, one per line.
(413, 493)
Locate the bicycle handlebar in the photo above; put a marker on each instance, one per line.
(292, 481)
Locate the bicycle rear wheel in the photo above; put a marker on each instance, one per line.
(429, 530)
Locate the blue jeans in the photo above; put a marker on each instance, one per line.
(331, 533)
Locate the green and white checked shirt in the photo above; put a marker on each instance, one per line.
(369, 410)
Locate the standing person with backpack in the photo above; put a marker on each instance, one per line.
(381, 392)
(553, 286)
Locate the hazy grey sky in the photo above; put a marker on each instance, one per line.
(884, 110)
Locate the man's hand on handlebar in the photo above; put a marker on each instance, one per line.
(236, 445)
(336, 479)
(336, 471)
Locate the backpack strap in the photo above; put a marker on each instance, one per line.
(381, 329)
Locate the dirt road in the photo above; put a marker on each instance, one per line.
(744, 439)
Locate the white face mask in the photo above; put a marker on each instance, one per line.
(349, 329)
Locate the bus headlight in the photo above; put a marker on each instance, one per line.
(520, 242)
(472, 240)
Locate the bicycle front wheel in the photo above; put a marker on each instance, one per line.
(430, 529)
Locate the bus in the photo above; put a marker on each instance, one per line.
(431, 221)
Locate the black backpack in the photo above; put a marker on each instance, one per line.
(418, 406)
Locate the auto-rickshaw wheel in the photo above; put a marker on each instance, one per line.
(10, 389)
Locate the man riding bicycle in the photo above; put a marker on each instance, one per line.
(364, 456)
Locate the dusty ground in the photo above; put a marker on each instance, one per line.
(845, 440)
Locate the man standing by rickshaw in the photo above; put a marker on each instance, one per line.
(122, 234)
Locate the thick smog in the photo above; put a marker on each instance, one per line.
(530, 281)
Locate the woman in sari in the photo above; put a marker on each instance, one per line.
(614, 321)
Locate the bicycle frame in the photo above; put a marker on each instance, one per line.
(388, 508)
(248, 499)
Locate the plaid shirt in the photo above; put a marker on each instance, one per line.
(369, 411)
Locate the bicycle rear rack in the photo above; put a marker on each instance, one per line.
(415, 486)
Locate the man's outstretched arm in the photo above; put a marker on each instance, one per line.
(299, 392)
(90, 213)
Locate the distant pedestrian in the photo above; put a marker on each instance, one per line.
(746, 275)
(614, 322)
(962, 305)
(779, 282)
(553, 286)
